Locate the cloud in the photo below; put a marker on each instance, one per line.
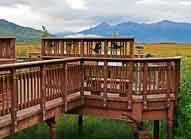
(75, 15)
(76, 4)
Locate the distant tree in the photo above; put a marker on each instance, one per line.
(45, 32)
(115, 34)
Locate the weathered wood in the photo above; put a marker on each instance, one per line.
(7, 50)
(13, 83)
(149, 85)
(43, 92)
(88, 47)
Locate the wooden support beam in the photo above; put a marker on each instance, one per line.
(170, 130)
(170, 121)
(52, 128)
(80, 124)
(142, 134)
(156, 131)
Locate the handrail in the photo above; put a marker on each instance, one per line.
(131, 59)
(37, 63)
(73, 59)
(89, 38)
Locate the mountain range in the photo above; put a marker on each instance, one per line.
(23, 34)
(164, 31)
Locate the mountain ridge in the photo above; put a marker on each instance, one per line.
(162, 31)
(23, 34)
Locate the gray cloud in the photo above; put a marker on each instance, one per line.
(74, 15)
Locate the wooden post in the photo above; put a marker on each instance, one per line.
(82, 48)
(130, 87)
(43, 47)
(170, 130)
(131, 51)
(142, 134)
(170, 121)
(52, 128)
(145, 76)
(105, 73)
(65, 87)
(13, 83)
(80, 124)
(105, 82)
(82, 81)
(13, 48)
(156, 131)
(43, 92)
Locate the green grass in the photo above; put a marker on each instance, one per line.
(67, 128)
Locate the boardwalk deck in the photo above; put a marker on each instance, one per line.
(109, 83)
(39, 91)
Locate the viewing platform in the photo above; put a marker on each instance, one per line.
(74, 76)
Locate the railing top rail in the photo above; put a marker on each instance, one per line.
(132, 59)
(90, 38)
(7, 37)
(74, 59)
(38, 63)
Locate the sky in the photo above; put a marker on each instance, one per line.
(76, 15)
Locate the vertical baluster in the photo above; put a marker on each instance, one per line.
(31, 88)
(168, 82)
(145, 75)
(20, 91)
(24, 90)
(52, 87)
(28, 90)
(66, 87)
(48, 83)
(43, 48)
(131, 51)
(105, 81)
(2, 96)
(13, 84)
(35, 88)
(57, 84)
(43, 91)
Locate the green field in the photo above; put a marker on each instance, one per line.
(109, 129)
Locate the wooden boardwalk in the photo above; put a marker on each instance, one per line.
(37, 91)
(98, 85)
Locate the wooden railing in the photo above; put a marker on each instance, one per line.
(88, 47)
(25, 85)
(7, 48)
